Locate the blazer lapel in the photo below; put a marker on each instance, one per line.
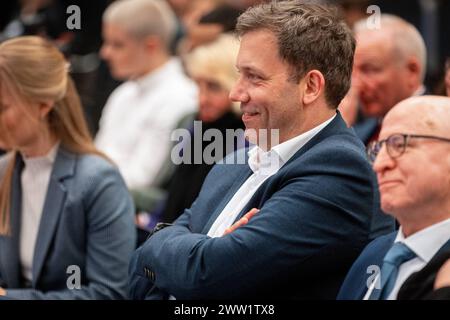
(243, 176)
(63, 167)
(9, 250)
(335, 126)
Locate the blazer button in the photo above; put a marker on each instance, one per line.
(149, 274)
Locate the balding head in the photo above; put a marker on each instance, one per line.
(142, 18)
(429, 114)
(405, 39)
(389, 64)
(413, 164)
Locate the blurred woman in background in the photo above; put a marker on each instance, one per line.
(212, 67)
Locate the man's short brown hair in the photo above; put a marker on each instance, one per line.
(310, 36)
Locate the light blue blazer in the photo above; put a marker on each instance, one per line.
(87, 222)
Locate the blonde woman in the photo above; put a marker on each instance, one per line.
(66, 218)
(212, 67)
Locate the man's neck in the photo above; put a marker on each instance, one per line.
(412, 223)
(312, 117)
(155, 63)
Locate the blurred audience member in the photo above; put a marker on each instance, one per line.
(410, 159)
(188, 13)
(353, 10)
(219, 19)
(8, 10)
(212, 67)
(49, 18)
(137, 120)
(389, 66)
(66, 218)
(91, 75)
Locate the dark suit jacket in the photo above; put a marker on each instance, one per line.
(439, 294)
(417, 286)
(420, 284)
(87, 221)
(316, 216)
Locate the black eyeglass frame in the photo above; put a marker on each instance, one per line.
(375, 147)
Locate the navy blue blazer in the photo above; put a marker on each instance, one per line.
(316, 216)
(356, 283)
(87, 221)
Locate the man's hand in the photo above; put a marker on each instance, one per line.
(443, 276)
(2, 292)
(242, 221)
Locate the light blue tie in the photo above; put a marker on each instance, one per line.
(397, 254)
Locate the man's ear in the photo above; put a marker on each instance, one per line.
(313, 84)
(152, 43)
(45, 107)
(414, 68)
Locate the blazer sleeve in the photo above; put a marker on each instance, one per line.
(299, 225)
(2, 282)
(111, 239)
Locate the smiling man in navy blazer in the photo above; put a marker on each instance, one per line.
(314, 190)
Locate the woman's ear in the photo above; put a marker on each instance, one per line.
(45, 107)
(314, 83)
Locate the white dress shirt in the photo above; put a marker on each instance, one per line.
(139, 117)
(425, 244)
(264, 165)
(34, 182)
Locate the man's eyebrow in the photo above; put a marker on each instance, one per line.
(249, 68)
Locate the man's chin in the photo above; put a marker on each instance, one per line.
(251, 135)
(118, 75)
(374, 110)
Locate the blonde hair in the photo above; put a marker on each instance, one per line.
(215, 60)
(142, 18)
(32, 69)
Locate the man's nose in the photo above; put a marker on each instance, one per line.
(238, 93)
(383, 161)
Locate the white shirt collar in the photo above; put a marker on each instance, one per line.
(158, 75)
(427, 242)
(268, 163)
(49, 158)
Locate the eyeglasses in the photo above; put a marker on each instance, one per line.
(395, 145)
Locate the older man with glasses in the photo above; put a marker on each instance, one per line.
(412, 163)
